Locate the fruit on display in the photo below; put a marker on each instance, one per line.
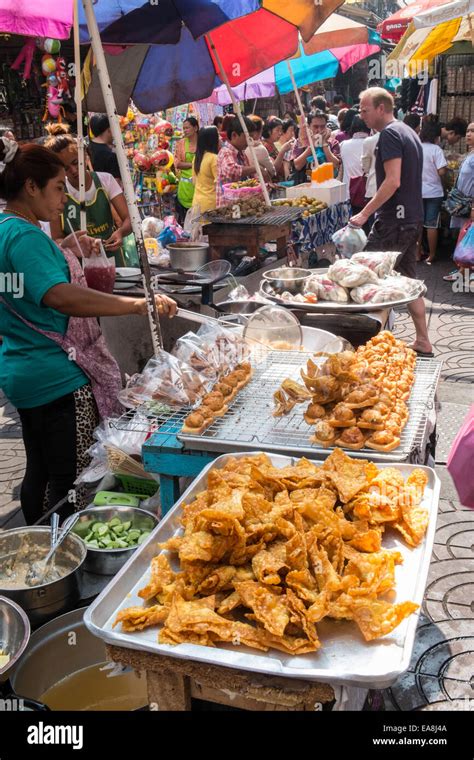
(245, 183)
(310, 206)
(253, 206)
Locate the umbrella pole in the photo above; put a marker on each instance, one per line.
(304, 122)
(238, 113)
(80, 131)
(109, 101)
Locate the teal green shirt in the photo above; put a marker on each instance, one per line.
(34, 370)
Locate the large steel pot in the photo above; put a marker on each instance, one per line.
(14, 632)
(47, 599)
(56, 651)
(188, 256)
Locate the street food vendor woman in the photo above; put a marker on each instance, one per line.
(103, 196)
(54, 365)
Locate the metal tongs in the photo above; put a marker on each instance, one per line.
(38, 570)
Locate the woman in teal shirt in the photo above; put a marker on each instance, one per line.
(52, 393)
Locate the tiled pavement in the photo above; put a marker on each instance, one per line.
(441, 673)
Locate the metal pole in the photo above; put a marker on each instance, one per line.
(80, 131)
(303, 117)
(109, 101)
(238, 113)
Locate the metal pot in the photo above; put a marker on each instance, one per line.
(57, 650)
(188, 256)
(109, 561)
(14, 631)
(289, 279)
(47, 599)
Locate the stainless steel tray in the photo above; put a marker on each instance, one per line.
(249, 423)
(344, 658)
(329, 306)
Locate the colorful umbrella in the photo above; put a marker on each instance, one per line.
(394, 27)
(306, 69)
(189, 69)
(40, 18)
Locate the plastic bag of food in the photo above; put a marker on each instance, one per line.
(395, 288)
(349, 274)
(198, 353)
(167, 380)
(228, 346)
(349, 240)
(380, 262)
(326, 289)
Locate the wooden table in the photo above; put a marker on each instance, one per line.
(249, 236)
(172, 682)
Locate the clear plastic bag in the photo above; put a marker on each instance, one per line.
(349, 274)
(228, 347)
(326, 289)
(395, 288)
(464, 251)
(198, 354)
(151, 227)
(99, 271)
(167, 380)
(380, 262)
(349, 240)
(193, 225)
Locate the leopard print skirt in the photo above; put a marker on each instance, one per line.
(87, 419)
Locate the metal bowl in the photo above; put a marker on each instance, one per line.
(14, 631)
(109, 561)
(188, 256)
(47, 599)
(289, 279)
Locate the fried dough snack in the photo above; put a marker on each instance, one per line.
(283, 549)
(371, 386)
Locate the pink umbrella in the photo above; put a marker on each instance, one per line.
(38, 18)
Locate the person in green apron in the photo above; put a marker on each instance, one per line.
(102, 193)
(185, 152)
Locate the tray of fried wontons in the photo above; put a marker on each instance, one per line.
(279, 565)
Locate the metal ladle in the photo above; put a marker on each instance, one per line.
(38, 571)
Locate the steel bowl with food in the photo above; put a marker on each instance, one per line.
(287, 279)
(188, 256)
(14, 633)
(111, 535)
(19, 548)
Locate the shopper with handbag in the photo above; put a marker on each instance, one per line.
(460, 199)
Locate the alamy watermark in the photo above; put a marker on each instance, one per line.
(13, 283)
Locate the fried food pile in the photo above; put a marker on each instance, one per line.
(267, 553)
(357, 399)
(216, 403)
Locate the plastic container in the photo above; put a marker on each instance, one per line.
(134, 485)
(331, 191)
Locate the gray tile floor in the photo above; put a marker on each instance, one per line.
(441, 673)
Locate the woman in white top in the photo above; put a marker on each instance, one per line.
(352, 171)
(368, 164)
(104, 200)
(434, 166)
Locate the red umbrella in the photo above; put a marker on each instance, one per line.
(395, 26)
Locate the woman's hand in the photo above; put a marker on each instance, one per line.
(114, 241)
(326, 135)
(88, 245)
(165, 306)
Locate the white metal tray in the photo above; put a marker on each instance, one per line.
(344, 657)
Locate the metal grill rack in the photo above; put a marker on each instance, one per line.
(275, 216)
(249, 422)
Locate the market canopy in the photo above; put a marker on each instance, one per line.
(159, 76)
(37, 18)
(394, 27)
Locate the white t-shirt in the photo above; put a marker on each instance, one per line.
(109, 183)
(433, 159)
(368, 164)
(351, 153)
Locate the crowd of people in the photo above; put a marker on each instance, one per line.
(393, 169)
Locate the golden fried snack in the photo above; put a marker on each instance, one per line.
(195, 423)
(323, 434)
(351, 438)
(371, 419)
(383, 440)
(284, 548)
(342, 416)
(313, 413)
